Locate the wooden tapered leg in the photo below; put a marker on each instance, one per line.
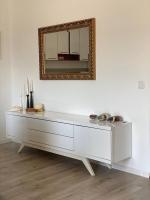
(21, 147)
(109, 166)
(88, 166)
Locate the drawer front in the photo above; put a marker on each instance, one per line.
(93, 142)
(50, 127)
(49, 139)
(15, 126)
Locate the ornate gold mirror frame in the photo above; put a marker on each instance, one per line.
(90, 74)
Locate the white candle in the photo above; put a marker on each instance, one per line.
(24, 90)
(28, 86)
(21, 100)
(31, 86)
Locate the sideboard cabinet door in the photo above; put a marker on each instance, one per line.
(74, 41)
(51, 46)
(93, 143)
(84, 44)
(63, 42)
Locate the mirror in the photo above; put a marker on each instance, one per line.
(67, 51)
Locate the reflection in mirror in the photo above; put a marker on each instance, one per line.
(67, 51)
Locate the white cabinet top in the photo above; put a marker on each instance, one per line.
(80, 120)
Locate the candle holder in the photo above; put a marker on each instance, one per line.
(28, 105)
(31, 100)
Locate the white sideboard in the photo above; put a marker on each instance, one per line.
(70, 135)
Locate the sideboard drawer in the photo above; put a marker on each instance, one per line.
(48, 139)
(50, 127)
(15, 126)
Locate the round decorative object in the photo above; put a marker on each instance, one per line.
(118, 118)
(115, 118)
(93, 116)
(104, 116)
(111, 119)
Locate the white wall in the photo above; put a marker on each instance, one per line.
(122, 58)
(5, 96)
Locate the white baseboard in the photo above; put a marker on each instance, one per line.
(131, 170)
(4, 140)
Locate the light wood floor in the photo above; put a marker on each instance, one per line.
(38, 175)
